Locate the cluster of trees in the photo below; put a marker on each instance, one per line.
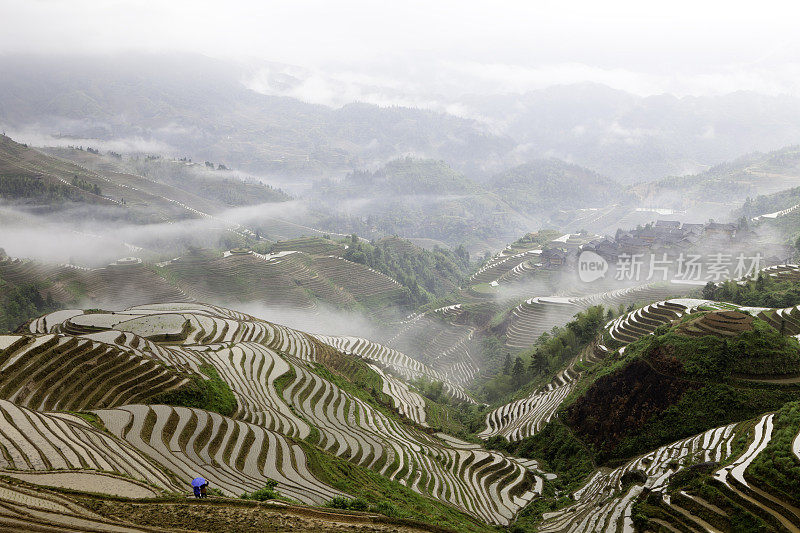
(425, 274)
(764, 291)
(18, 186)
(763, 204)
(85, 185)
(550, 353)
(220, 166)
(18, 304)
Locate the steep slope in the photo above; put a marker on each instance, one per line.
(287, 279)
(26, 174)
(709, 369)
(36, 178)
(288, 388)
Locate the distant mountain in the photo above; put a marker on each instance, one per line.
(429, 199)
(636, 138)
(200, 107)
(419, 198)
(545, 185)
(724, 187)
(196, 106)
(407, 176)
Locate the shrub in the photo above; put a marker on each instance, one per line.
(341, 502)
(267, 492)
(387, 508)
(338, 502)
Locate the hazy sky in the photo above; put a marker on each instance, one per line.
(443, 47)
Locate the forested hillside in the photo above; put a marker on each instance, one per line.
(546, 185)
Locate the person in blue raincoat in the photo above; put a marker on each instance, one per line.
(199, 485)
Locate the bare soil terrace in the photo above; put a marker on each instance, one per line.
(216, 515)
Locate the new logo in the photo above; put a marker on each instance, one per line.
(591, 266)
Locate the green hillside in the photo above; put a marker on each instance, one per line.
(692, 376)
(549, 184)
(27, 175)
(419, 198)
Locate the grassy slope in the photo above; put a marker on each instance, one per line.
(669, 386)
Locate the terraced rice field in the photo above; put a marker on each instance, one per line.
(310, 245)
(786, 320)
(288, 278)
(720, 323)
(396, 362)
(238, 453)
(235, 456)
(605, 502)
(783, 272)
(97, 482)
(526, 417)
(407, 401)
(644, 321)
(40, 442)
(450, 349)
(120, 285)
(724, 319)
(60, 372)
(540, 314)
(240, 277)
(603, 505)
(25, 509)
(733, 477)
(536, 316)
(501, 265)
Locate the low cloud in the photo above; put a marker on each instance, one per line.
(35, 136)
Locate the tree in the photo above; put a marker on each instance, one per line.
(518, 371)
(538, 362)
(709, 290)
(507, 364)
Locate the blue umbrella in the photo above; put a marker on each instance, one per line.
(198, 482)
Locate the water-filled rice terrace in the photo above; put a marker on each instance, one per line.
(115, 365)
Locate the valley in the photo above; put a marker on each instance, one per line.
(351, 267)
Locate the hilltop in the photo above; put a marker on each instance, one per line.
(291, 279)
(547, 185)
(419, 198)
(76, 177)
(214, 183)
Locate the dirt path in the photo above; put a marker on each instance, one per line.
(214, 516)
